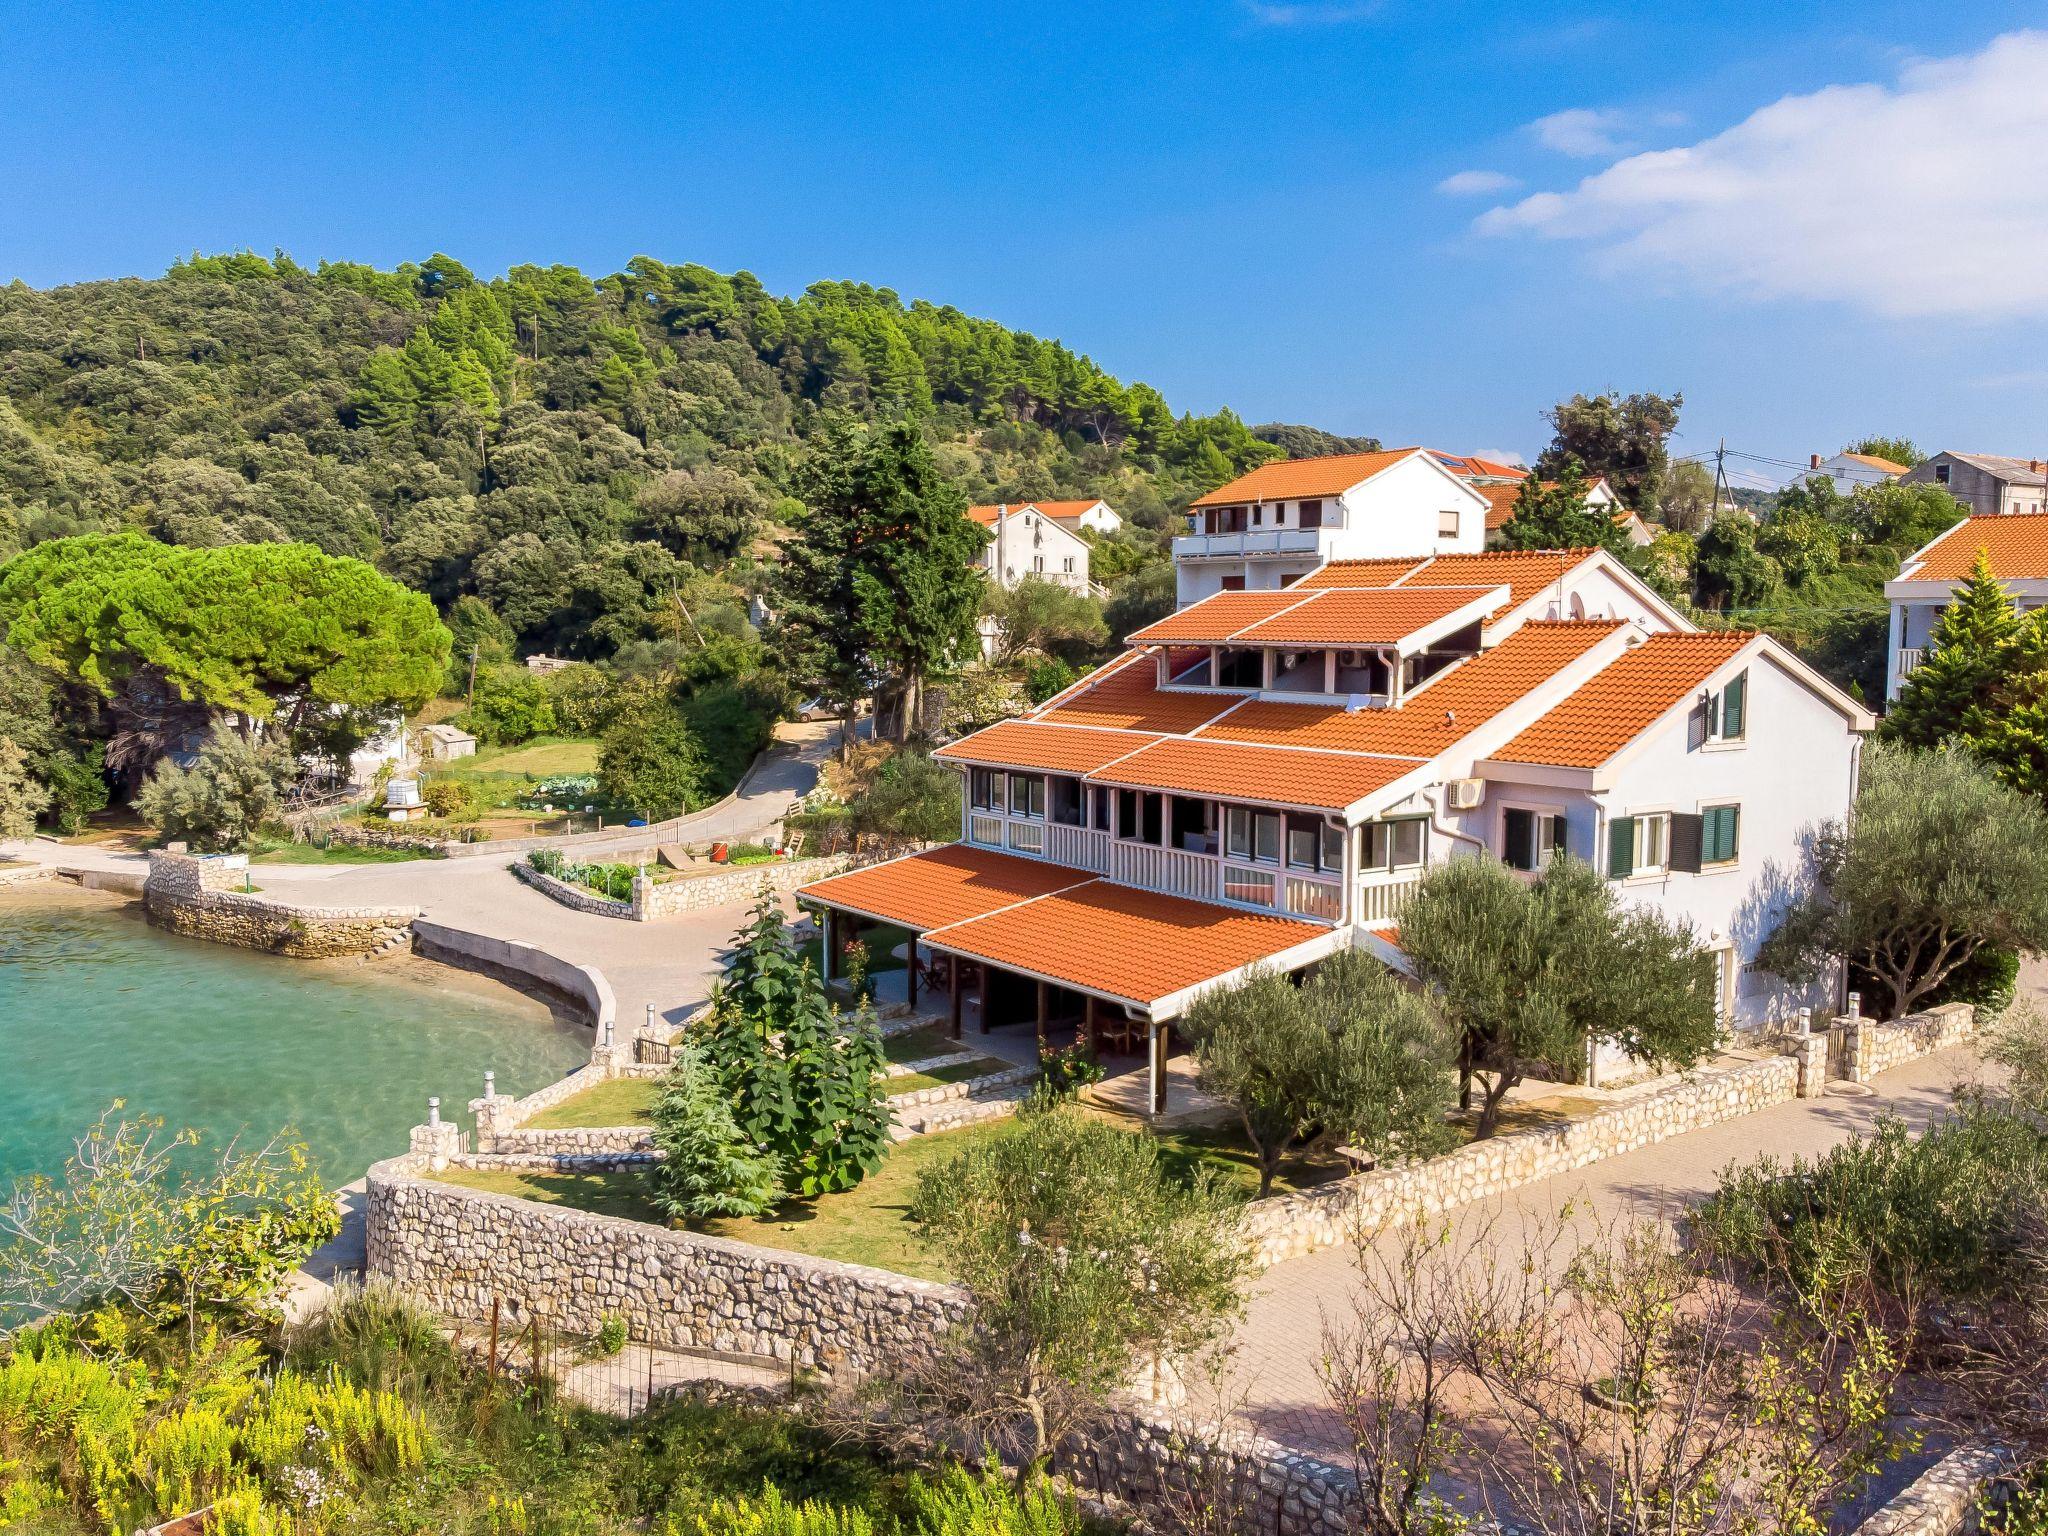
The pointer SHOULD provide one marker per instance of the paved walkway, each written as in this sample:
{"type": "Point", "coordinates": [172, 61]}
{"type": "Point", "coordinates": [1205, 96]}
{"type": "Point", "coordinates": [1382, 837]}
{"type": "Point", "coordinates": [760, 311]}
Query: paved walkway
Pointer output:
{"type": "Point", "coordinates": [1279, 1344]}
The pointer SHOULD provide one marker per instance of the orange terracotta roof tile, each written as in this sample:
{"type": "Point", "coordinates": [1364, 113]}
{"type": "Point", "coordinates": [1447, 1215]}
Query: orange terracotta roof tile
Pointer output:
{"type": "Point", "coordinates": [1618, 703]}
{"type": "Point", "coordinates": [1373, 616]}
{"type": "Point", "coordinates": [1884, 465]}
{"type": "Point", "coordinates": [1324, 781]}
{"type": "Point", "coordinates": [2017, 545]}
{"type": "Point", "coordinates": [941, 886]}
{"type": "Point", "coordinates": [1524, 572]}
{"type": "Point", "coordinates": [1290, 479]}
{"type": "Point", "coordinates": [1056, 510]}
{"type": "Point", "coordinates": [1436, 715]}
{"type": "Point", "coordinates": [1049, 748]}
{"type": "Point", "coordinates": [1216, 617]}
{"type": "Point", "coordinates": [1500, 504]}
{"type": "Point", "coordinates": [1468, 466]}
{"type": "Point", "coordinates": [986, 516]}
{"type": "Point", "coordinates": [1128, 944]}
{"type": "Point", "coordinates": [1126, 697]}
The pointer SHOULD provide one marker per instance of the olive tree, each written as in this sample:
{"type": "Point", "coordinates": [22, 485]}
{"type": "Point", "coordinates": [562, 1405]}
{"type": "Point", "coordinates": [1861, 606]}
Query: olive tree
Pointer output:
{"type": "Point", "coordinates": [218, 804]}
{"type": "Point", "coordinates": [1349, 1056]}
{"type": "Point", "coordinates": [1537, 972]}
{"type": "Point", "coordinates": [1940, 862]}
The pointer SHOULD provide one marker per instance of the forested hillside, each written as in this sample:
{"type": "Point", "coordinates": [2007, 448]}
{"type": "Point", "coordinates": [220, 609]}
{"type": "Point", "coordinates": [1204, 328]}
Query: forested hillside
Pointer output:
{"type": "Point", "coordinates": [599, 462]}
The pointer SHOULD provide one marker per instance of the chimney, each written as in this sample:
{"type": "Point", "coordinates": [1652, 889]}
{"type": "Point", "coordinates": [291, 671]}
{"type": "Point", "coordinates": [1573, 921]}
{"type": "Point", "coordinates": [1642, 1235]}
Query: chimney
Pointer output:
{"type": "Point", "coordinates": [1813, 461]}
{"type": "Point", "coordinates": [2034, 465]}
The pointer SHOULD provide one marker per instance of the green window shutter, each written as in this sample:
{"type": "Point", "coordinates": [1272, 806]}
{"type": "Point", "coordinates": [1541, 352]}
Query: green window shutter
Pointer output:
{"type": "Point", "coordinates": [1560, 844]}
{"type": "Point", "coordinates": [1621, 847]}
{"type": "Point", "coordinates": [1518, 835]}
{"type": "Point", "coordinates": [1688, 835]}
{"type": "Point", "coordinates": [1724, 824]}
{"type": "Point", "coordinates": [1735, 707]}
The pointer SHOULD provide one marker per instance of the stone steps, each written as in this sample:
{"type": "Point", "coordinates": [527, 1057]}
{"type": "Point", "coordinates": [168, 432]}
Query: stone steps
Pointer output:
{"type": "Point", "coordinates": [952, 1114]}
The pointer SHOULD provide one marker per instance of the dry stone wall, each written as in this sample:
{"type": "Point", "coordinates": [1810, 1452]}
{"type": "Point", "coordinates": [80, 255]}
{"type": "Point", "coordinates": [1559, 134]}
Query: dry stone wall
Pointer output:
{"type": "Point", "coordinates": [694, 893]}
{"type": "Point", "coordinates": [1288, 1226]}
{"type": "Point", "coordinates": [455, 1250]}
{"type": "Point", "coordinates": [178, 896]}
{"type": "Point", "coordinates": [1869, 1047]}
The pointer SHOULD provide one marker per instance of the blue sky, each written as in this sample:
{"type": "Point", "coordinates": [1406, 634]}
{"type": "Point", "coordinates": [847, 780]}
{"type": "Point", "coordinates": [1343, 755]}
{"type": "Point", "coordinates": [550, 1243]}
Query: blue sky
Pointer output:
{"type": "Point", "coordinates": [1241, 201]}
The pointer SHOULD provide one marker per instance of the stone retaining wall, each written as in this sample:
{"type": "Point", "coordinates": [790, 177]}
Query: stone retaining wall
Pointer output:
{"type": "Point", "coordinates": [1942, 1500]}
{"type": "Point", "coordinates": [455, 1250]}
{"type": "Point", "coordinates": [965, 1088]}
{"type": "Point", "coordinates": [1869, 1047]}
{"type": "Point", "coordinates": [574, 897]}
{"type": "Point", "coordinates": [693, 893]}
{"type": "Point", "coordinates": [582, 986]}
{"type": "Point", "coordinates": [567, 1141]}
{"type": "Point", "coordinates": [1287, 1226]}
{"type": "Point", "coordinates": [179, 896]}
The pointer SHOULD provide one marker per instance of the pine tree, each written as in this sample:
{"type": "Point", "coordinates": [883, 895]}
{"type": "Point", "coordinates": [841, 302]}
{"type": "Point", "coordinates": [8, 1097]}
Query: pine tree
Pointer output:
{"type": "Point", "coordinates": [1555, 516]}
{"type": "Point", "coordinates": [708, 1166]}
{"type": "Point", "coordinates": [1970, 653]}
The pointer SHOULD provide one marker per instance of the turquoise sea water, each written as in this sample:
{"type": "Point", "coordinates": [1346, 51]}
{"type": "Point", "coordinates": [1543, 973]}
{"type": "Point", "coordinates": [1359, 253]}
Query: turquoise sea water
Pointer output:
{"type": "Point", "coordinates": [97, 1005]}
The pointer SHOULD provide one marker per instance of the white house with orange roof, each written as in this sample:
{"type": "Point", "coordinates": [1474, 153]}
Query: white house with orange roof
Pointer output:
{"type": "Point", "coordinates": [1280, 521]}
{"type": "Point", "coordinates": [2016, 545]}
{"type": "Point", "coordinates": [1501, 483]}
{"type": "Point", "coordinates": [1853, 471]}
{"type": "Point", "coordinates": [1027, 540]}
{"type": "Point", "coordinates": [1265, 775]}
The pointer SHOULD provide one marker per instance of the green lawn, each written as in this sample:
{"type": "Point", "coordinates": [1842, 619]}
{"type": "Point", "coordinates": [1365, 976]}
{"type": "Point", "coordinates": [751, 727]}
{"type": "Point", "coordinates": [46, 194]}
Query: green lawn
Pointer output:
{"type": "Point", "coordinates": [959, 1072]}
{"type": "Point", "coordinates": [307, 853]}
{"type": "Point", "coordinates": [869, 1224]}
{"type": "Point", "coordinates": [920, 1044]}
{"type": "Point", "coordinates": [622, 1101]}
{"type": "Point", "coordinates": [880, 940]}
{"type": "Point", "coordinates": [542, 758]}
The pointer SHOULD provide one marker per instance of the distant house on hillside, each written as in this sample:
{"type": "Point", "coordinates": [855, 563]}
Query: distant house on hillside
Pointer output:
{"type": "Point", "coordinates": [1501, 483]}
{"type": "Point", "coordinates": [1027, 540]}
{"type": "Point", "coordinates": [1989, 484]}
{"type": "Point", "coordinates": [2017, 547]}
{"type": "Point", "coordinates": [1852, 471]}
{"type": "Point", "coordinates": [1271, 527]}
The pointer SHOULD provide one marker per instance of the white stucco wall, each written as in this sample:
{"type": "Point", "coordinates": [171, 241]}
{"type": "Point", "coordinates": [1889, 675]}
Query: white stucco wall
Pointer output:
{"type": "Point", "coordinates": [1029, 536]}
{"type": "Point", "coordinates": [1395, 513]}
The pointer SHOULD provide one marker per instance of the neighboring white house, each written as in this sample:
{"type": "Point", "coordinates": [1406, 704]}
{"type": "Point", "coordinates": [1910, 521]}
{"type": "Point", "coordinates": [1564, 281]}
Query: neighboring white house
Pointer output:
{"type": "Point", "coordinates": [1600, 496]}
{"type": "Point", "coordinates": [1096, 516]}
{"type": "Point", "coordinates": [444, 743]}
{"type": "Point", "coordinates": [1263, 779]}
{"type": "Point", "coordinates": [2017, 546]}
{"type": "Point", "coordinates": [1277, 523]}
{"type": "Point", "coordinates": [1987, 484]}
{"type": "Point", "coordinates": [1852, 471]}
{"type": "Point", "coordinates": [1025, 541]}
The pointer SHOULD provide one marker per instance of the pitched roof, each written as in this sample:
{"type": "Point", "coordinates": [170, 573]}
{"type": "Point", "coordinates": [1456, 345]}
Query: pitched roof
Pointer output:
{"type": "Point", "coordinates": [1371, 616]}
{"type": "Point", "coordinates": [1129, 944]}
{"type": "Point", "coordinates": [1468, 466]}
{"type": "Point", "coordinates": [1217, 617]}
{"type": "Point", "coordinates": [1876, 463]}
{"type": "Point", "coordinates": [1326, 781]}
{"type": "Point", "coordinates": [2017, 544]}
{"type": "Point", "coordinates": [1432, 718]}
{"type": "Point", "coordinates": [1524, 572]}
{"type": "Point", "coordinates": [1126, 697]}
{"type": "Point", "coordinates": [2013, 471]}
{"type": "Point", "coordinates": [1290, 479]}
{"type": "Point", "coordinates": [1049, 748]}
{"type": "Point", "coordinates": [943, 885]}
{"type": "Point", "coordinates": [1621, 701]}
{"type": "Point", "coordinates": [1058, 511]}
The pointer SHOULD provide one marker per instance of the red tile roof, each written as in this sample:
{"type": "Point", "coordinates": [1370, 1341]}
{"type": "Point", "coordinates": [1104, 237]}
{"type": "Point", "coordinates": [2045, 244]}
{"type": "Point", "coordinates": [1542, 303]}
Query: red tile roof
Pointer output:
{"type": "Point", "coordinates": [1127, 698]}
{"type": "Point", "coordinates": [1524, 572]}
{"type": "Point", "coordinates": [1216, 617]}
{"type": "Point", "coordinates": [1291, 479]}
{"type": "Point", "coordinates": [1326, 781]}
{"type": "Point", "coordinates": [1619, 702]}
{"type": "Point", "coordinates": [944, 885]}
{"type": "Point", "coordinates": [1467, 466]}
{"type": "Point", "coordinates": [1432, 718]}
{"type": "Point", "coordinates": [1374, 616]}
{"type": "Point", "coordinates": [1056, 510]}
{"type": "Point", "coordinates": [1128, 944]}
{"type": "Point", "coordinates": [1050, 748]}
{"type": "Point", "coordinates": [2017, 545]}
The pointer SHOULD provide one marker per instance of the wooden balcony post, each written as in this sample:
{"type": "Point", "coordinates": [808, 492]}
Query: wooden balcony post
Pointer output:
{"type": "Point", "coordinates": [953, 964]}
{"type": "Point", "coordinates": [910, 969]}
{"type": "Point", "coordinates": [1043, 998]}
{"type": "Point", "coordinates": [985, 969]}
{"type": "Point", "coordinates": [1089, 1023]}
{"type": "Point", "coordinates": [1158, 1068]}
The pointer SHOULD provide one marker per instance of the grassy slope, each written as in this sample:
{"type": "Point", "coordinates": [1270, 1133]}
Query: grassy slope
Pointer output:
{"type": "Point", "coordinates": [622, 1101]}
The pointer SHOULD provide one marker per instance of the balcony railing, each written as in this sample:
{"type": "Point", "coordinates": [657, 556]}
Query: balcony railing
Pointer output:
{"type": "Point", "coordinates": [1380, 901]}
{"type": "Point", "coordinates": [1910, 658]}
{"type": "Point", "coordinates": [986, 830]}
{"type": "Point", "coordinates": [1167, 870]}
{"type": "Point", "coordinates": [1081, 847]}
{"type": "Point", "coordinates": [1322, 900]}
{"type": "Point", "coordinates": [1027, 836]}
{"type": "Point", "coordinates": [1254, 541]}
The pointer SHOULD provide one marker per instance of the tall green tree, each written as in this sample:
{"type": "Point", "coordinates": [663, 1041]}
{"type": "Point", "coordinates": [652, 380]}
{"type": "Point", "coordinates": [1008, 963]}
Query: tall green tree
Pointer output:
{"type": "Point", "coordinates": [880, 570]}
{"type": "Point", "coordinates": [708, 1167]}
{"type": "Point", "coordinates": [650, 761]}
{"type": "Point", "coordinates": [1941, 862]}
{"type": "Point", "coordinates": [1349, 1057]}
{"type": "Point", "coordinates": [1900, 450]}
{"type": "Point", "coordinates": [1554, 515]}
{"type": "Point", "coordinates": [1972, 650]}
{"type": "Point", "coordinates": [22, 798]}
{"type": "Point", "coordinates": [1540, 971]}
{"type": "Point", "coordinates": [1622, 437]}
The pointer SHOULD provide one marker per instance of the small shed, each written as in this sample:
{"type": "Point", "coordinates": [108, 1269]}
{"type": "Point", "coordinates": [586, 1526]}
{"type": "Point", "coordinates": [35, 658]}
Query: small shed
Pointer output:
{"type": "Point", "coordinates": [445, 743]}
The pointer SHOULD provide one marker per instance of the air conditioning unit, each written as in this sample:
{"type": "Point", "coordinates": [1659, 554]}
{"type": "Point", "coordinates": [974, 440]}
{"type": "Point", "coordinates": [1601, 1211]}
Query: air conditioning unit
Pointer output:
{"type": "Point", "coordinates": [1464, 794]}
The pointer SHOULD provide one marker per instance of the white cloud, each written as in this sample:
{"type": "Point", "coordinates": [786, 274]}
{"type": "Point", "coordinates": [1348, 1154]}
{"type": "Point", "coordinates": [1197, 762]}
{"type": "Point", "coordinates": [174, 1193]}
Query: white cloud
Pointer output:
{"type": "Point", "coordinates": [1308, 13]}
{"type": "Point", "coordinates": [1477, 183]}
{"type": "Point", "coordinates": [1916, 199]}
{"type": "Point", "coordinates": [1581, 132]}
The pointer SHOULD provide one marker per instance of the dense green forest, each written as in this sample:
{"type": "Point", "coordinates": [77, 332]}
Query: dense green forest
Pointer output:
{"type": "Point", "coordinates": [576, 454]}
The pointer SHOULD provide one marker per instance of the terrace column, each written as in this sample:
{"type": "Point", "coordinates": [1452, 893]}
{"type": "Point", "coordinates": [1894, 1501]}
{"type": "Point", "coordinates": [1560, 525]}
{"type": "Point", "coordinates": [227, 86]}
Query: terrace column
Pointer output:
{"type": "Point", "coordinates": [1043, 990]}
{"type": "Point", "coordinates": [985, 968]}
{"type": "Point", "coordinates": [1157, 1077]}
{"type": "Point", "coordinates": [1089, 1024]}
{"type": "Point", "coordinates": [953, 992]}
{"type": "Point", "coordinates": [910, 969]}
{"type": "Point", "coordinates": [828, 936]}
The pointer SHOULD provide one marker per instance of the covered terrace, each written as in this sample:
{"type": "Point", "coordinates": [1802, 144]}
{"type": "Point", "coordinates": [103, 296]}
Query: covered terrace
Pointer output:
{"type": "Point", "coordinates": [1011, 941]}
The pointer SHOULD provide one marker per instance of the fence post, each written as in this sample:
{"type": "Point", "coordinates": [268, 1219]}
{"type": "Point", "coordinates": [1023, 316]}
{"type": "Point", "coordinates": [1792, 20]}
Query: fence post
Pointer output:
{"type": "Point", "coordinates": [494, 1340]}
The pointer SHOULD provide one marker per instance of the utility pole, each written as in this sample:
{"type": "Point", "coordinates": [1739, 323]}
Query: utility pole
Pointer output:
{"type": "Point", "coordinates": [469, 700]}
{"type": "Point", "coordinates": [1720, 475]}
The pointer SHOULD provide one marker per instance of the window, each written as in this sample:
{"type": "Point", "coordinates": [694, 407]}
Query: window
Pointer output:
{"type": "Point", "coordinates": [1531, 839]}
{"type": "Point", "coordinates": [1068, 802]}
{"type": "Point", "coordinates": [1250, 834]}
{"type": "Point", "coordinates": [1941, 474]}
{"type": "Point", "coordinates": [1447, 525]}
{"type": "Point", "coordinates": [1638, 845]}
{"type": "Point", "coordinates": [1069, 565]}
{"type": "Point", "coordinates": [1038, 562]}
{"type": "Point", "coordinates": [1394, 844]}
{"type": "Point", "coordinates": [985, 789]}
{"type": "Point", "coordinates": [1723, 716]}
{"type": "Point", "coordinates": [1311, 514]}
{"type": "Point", "coordinates": [1027, 796]}
{"type": "Point", "coordinates": [1720, 834]}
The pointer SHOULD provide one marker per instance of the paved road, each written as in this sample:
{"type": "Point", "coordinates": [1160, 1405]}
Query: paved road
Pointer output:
{"type": "Point", "coordinates": [1279, 1343]}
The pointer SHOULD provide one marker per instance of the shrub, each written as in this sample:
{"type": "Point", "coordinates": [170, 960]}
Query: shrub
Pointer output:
{"type": "Point", "coordinates": [451, 800]}
{"type": "Point", "coordinates": [509, 707]}
{"type": "Point", "coordinates": [218, 803]}
{"type": "Point", "coordinates": [708, 1167]}
{"type": "Point", "coordinates": [1940, 1210]}
{"type": "Point", "coordinates": [581, 697]}
{"type": "Point", "coordinates": [1043, 679]}
{"type": "Point", "coordinates": [650, 762]}
{"type": "Point", "coordinates": [911, 800]}
{"type": "Point", "coordinates": [611, 1335]}
{"type": "Point", "coordinates": [732, 721]}
{"type": "Point", "coordinates": [1063, 1073]}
